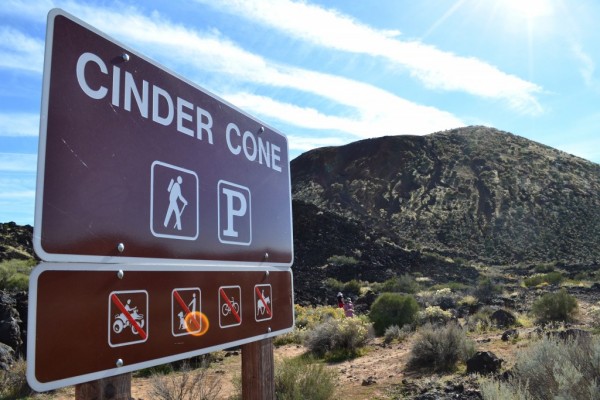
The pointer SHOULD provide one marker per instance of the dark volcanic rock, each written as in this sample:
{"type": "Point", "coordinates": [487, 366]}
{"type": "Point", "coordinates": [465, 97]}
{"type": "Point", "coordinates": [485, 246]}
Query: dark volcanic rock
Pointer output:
{"type": "Point", "coordinates": [483, 362]}
{"type": "Point", "coordinates": [502, 318]}
{"type": "Point", "coordinates": [16, 241]}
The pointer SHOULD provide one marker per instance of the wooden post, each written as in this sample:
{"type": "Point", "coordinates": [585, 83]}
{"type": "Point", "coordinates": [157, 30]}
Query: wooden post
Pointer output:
{"type": "Point", "coordinates": [112, 388]}
{"type": "Point", "coordinates": [258, 370]}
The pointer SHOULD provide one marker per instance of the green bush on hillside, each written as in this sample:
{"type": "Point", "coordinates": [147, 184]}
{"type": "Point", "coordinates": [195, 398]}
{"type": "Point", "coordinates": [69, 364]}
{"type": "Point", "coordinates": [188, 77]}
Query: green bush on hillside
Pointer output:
{"type": "Point", "coordinates": [14, 274]}
{"type": "Point", "coordinates": [393, 309]}
{"type": "Point", "coordinates": [557, 306]}
{"type": "Point", "coordinates": [400, 284]}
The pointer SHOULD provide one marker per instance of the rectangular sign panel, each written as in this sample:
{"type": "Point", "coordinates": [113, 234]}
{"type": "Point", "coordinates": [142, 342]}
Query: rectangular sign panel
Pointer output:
{"type": "Point", "coordinates": [139, 165]}
{"type": "Point", "coordinates": [91, 321]}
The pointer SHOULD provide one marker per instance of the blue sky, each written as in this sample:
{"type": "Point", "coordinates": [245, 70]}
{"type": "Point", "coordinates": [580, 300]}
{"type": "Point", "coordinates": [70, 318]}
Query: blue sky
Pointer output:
{"type": "Point", "coordinates": [333, 72]}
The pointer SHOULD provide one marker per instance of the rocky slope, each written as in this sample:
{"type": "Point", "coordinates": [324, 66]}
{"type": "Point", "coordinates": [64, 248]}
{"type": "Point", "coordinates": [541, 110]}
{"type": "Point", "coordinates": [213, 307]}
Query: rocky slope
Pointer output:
{"type": "Point", "coordinates": [472, 193]}
{"type": "Point", "coordinates": [16, 241]}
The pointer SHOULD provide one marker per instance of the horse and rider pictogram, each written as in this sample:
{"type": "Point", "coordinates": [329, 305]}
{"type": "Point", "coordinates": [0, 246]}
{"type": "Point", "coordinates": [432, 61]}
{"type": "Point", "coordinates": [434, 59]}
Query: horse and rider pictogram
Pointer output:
{"type": "Point", "coordinates": [263, 309]}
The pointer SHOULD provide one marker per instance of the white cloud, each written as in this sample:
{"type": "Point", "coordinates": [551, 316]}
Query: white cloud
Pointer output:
{"type": "Point", "coordinates": [437, 69]}
{"type": "Point", "coordinates": [587, 67]}
{"type": "Point", "coordinates": [19, 124]}
{"type": "Point", "coordinates": [20, 51]}
{"type": "Point", "coordinates": [376, 112]}
{"type": "Point", "coordinates": [18, 162]}
{"type": "Point", "coordinates": [30, 9]}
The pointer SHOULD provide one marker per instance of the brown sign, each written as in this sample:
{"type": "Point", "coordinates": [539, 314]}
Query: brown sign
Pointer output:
{"type": "Point", "coordinates": [88, 322]}
{"type": "Point", "coordinates": [138, 165]}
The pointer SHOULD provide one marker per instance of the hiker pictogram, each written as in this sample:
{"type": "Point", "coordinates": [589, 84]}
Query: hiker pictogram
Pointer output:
{"type": "Point", "coordinates": [175, 197]}
{"type": "Point", "coordinates": [230, 306]}
{"type": "Point", "coordinates": [263, 309]}
{"type": "Point", "coordinates": [174, 202]}
{"type": "Point", "coordinates": [186, 311]}
{"type": "Point", "coordinates": [127, 317]}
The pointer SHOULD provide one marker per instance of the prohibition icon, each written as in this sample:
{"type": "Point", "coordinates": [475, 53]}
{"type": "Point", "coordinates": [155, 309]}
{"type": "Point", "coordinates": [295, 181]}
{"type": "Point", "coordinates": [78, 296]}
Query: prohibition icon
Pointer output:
{"type": "Point", "coordinates": [230, 307]}
{"type": "Point", "coordinates": [263, 309]}
{"type": "Point", "coordinates": [127, 317]}
{"type": "Point", "coordinates": [186, 311]}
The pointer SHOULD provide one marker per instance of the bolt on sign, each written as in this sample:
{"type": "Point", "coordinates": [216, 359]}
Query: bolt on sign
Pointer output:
{"type": "Point", "coordinates": [90, 321]}
{"type": "Point", "coordinates": [139, 165]}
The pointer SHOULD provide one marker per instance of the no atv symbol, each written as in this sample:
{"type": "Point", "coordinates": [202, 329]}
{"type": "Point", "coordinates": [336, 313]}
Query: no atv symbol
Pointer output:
{"type": "Point", "coordinates": [127, 317]}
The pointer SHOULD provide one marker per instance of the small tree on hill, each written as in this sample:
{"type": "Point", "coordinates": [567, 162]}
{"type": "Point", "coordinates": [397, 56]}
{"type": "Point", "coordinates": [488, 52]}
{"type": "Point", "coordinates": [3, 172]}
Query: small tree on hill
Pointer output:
{"type": "Point", "coordinates": [393, 309]}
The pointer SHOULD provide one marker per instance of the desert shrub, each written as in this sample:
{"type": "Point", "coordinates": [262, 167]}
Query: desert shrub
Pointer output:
{"type": "Point", "coordinates": [557, 306]}
{"type": "Point", "coordinates": [186, 384]}
{"type": "Point", "coordinates": [337, 339]}
{"type": "Point", "coordinates": [486, 289]}
{"type": "Point", "coordinates": [334, 284]}
{"type": "Point", "coordinates": [440, 348]}
{"type": "Point", "coordinates": [443, 298]}
{"type": "Point", "coordinates": [302, 378]}
{"type": "Point", "coordinates": [468, 301]}
{"type": "Point", "coordinates": [554, 369]}
{"type": "Point", "coordinates": [394, 332]}
{"type": "Point", "coordinates": [543, 268]}
{"type": "Point", "coordinates": [480, 321]}
{"type": "Point", "coordinates": [13, 382]}
{"type": "Point", "coordinates": [307, 318]}
{"type": "Point", "coordinates": [452, 286]}
{"type": "Point", "coordinates": [433, 315]}
{"type": "Point", "coordinates": [393, 309]}
{"type": "Point", "coordinates": [14, 274]}
{"type": "Point", "coordinates": [401, 284]}
{"type": "Point", "coordinates": [342, 260]}
{"type": "Point", "coordinates": [496, 390]}
{"type": "Point", "coordinates": [551, 278]}
{"type": "Point", "coordinates": [352, 287]}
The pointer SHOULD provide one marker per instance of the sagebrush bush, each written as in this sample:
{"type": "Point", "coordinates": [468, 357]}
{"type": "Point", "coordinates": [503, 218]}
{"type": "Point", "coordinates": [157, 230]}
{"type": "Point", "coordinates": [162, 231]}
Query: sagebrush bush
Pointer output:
{"type": "Point", "coordinates": [394, 332]}
{"type": "Point", "coordinates": [557, 306]}
{"type": "Point", "coordinates": [187, 384]}
{"type": "Point", "coordinates": [13, 382]}
{"type": "Point", "coordinates": [480, 321]}
{"type": "Point", "coordinates": [444, 298]}
{"type": "Point", "coordinates": [337, 339]}
{"type": "Point", "coordinates": [433, 315]}
{"type": "Point", "coordinates": [440, 348]}
{"type": "Point", "coordinates": [393, 309]}
{"type": "Point", "coordinates": [302, 378]}
{"type": "Point", "coordinates": [307, 318]}
{"type": "Point", "coordinates": [553, 369]}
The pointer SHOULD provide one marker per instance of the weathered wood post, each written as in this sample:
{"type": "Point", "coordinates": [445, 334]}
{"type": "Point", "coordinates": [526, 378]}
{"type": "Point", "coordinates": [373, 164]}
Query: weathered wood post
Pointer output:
{"type": "Point", "coordinates": [112, 388]}
{"type": "Point", "coordinates": [258, 370]}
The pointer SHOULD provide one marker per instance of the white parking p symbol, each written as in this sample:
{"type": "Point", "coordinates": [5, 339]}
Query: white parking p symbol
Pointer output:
{"type": "Point", "coordinates": [235, 222]}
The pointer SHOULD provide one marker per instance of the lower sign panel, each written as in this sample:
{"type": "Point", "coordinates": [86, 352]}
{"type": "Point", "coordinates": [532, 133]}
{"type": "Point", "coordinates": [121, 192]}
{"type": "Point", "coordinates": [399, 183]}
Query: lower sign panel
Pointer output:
{"type": "Point", "coordinates": [91, 321]}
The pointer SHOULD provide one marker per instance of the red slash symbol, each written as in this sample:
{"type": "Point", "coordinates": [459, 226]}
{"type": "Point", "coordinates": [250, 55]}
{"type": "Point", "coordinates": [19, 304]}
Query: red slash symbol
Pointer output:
{"type": "Point", "coordinates": [231, 307]}
{"type": "Point", "coordinates": [186, 309]}
{"type": "Point", "coordinates": [127, 315]}
{"type": "Point", "coordinates": [264, 302]}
